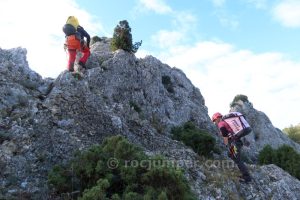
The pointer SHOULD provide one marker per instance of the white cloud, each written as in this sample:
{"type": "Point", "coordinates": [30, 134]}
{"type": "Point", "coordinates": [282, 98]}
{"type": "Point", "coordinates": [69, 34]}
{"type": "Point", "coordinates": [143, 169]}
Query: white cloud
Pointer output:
{"type": "Point", "coordinates": [259, 4]}
{"type": "Point", "coordinates": [218, 3]}
{"type": "Point", "coordinates": [141, 53]}
{"type": "Point", "coordinates": [224, 15]}
{"type": "Point", "coordinates": [158, 6]}
{"type": "Point", "coordinates": [183, 23]}
{"type": "Point", "coordinates": [287, 12]}
{"type": "Point", "coordinates": [231, 23]}
{"type": "Point", "coordinates": [37, 26]}
{"type": "Point", "coordinates": [227, 20]}
{"type": "Point", "coordinates": [220, 72]}
{"type": "Point", "coordinates": [165, 39]}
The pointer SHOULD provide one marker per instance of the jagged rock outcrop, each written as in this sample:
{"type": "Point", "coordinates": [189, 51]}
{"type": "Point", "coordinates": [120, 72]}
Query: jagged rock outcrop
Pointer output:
{"type": "Point", "coordinates": [263, 130]}
{"type": "Point", "coordinates": [269, 182]}
{"type": "Point", "coordinates": [44, 121]}
{"type": "Point", "coordinates": [45, 124]}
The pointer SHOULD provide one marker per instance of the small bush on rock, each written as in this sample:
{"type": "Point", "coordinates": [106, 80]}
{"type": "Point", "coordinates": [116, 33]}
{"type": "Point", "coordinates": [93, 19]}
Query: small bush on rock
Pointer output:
{"type": "Point", "coordinates": [199, 140]}
{"type": "Point", "coordinates": [122, 38]}
{"type": "Point", "coordinates": [119, 170]}
{"type": "Point", "coordinates": [284, 157]}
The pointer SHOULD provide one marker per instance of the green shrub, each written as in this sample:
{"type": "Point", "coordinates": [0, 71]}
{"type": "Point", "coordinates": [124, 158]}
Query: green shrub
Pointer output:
{"type": "Point", "coordinates": [284, 157]}
{"type": "Point", "coordinates": [266, 155]}
{"type": "Point", "coordinates": [122, 38]}
{"type": "Point", "coordinates": [199, 140]}
{"type": "Point", "coordinates": [293, 133]}
{"type": "Point", "coordinates": [160, 181]}
{"type": "Point", "coordinates": [96, 192]}
{"type": "Point", "coordinates": [61, 178]}
{"type": "Point", "coordinates": [98, 178]}
{"type": "Point", "coordinates": [237, 98]}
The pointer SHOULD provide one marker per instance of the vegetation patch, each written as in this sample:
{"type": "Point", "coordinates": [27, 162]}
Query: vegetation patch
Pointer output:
{"type": "Point", "coordinates": [122, 38]}
{"type": "Point", "coordinates": [293, 133]}
{"type": "Point", "coordinates": [199, 140]}
{"type": "Point", "coordinates": [119, 170]}
{"type": "Point", "coordinates": [284, 157]}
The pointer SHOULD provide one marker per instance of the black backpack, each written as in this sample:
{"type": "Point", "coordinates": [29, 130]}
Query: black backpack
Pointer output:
{"type": "Point", "coordinates": [69, 29]}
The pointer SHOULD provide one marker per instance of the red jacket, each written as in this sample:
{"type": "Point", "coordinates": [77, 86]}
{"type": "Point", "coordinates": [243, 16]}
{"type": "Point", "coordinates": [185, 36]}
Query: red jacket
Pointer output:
{"type": "Point", "coordinates": [225, 129]}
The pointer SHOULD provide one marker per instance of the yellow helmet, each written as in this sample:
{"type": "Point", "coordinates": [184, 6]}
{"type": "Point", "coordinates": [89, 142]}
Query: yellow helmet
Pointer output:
{"type": "Point", "coordinates": [73, 21]}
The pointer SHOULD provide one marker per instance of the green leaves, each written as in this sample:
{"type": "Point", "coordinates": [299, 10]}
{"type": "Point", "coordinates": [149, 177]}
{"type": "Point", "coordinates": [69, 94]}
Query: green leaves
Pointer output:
{"type": "Point", "coordinates": [119, 170]}
{"type": "Point", "coordinates": [199, 140]}
{"type": "Point", "coordinates": [285, 157]}
{"type": "Point", "coordinates": [122, 38]}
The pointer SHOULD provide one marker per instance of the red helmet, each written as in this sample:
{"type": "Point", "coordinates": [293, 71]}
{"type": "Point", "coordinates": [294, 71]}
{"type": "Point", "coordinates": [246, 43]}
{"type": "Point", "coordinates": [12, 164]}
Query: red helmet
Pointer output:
{"type": "Point", "coordinates": [216, 116]}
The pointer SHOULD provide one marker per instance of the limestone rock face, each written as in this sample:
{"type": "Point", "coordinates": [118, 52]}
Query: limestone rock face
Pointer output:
{"type": "Point", "coordinates": [268, 182]}
{"type": "Point", "coordinates": [44, 121]}
{"type": "Point", "coordinates": [263, 130]}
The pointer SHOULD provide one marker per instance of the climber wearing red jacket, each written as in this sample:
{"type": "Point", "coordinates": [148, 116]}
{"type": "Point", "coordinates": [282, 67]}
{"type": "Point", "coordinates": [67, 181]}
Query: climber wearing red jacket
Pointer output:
{"type": "Point", "coordinates": [234, 146]}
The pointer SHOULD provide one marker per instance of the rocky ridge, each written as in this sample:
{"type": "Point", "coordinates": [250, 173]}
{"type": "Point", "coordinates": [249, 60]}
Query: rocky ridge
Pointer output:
{"type": "Point", "coordinates": [44, 121]}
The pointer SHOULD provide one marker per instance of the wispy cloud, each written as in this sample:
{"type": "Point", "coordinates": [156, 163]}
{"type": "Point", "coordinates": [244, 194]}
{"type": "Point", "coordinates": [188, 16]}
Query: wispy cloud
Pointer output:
{"type": "Point", "coordinates": [218, 3]}
{"type": "Point", "coordinates": [37, 26]}
{"type": "Point", "coordinates": [221, 71]}
{"type": "Point", "coordinates": [287, 12]}
{"type": "Point", "coordinates": [259, 4]}
{"type": "Point", "coordinates": [158, 6]}
{"type": "Point", "coordinates": [229, 22]}
{"type": "Point", "coordinates": [181, 22]}
{"type": "Point", "coordinates": [227, 19]}
{"type": "Point", "coordinates": [184, 20]}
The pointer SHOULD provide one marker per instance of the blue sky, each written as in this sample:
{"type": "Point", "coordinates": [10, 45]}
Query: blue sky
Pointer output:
{"type": "Point", "coordinates": [225, 47]}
